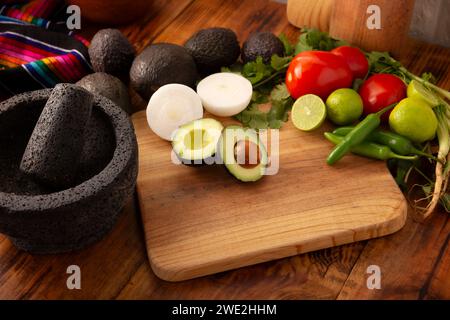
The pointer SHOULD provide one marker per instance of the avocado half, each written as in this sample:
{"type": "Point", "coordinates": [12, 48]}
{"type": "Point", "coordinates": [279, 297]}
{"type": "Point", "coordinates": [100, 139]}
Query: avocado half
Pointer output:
{"type": "Point", "coordinates": [231, 137]}
{"type": "Point", "coordinates": [195, 143]}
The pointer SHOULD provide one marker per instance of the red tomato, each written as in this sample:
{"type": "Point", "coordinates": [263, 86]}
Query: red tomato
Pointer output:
{"type": "Point", "coordinates": [355, 59]}
{"type": "Point", "coordinates": [380, 91]}
{"type": "Point", "coordinates": [317, 72]}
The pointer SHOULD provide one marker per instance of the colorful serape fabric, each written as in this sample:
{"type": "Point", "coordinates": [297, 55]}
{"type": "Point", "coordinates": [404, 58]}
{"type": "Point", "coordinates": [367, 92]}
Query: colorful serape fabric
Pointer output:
{"type": "Point", "coordinates": [36, 52]}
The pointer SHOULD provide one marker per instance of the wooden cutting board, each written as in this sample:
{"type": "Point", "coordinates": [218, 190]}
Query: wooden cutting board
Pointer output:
{"type": "Point", "coordinates": [200, 221]}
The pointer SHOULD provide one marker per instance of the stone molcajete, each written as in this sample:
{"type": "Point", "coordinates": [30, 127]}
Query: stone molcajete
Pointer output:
{"type": "Point", "coordinates": [45, 218]}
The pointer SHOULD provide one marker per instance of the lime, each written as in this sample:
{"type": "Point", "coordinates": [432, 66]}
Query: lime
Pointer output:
{"type": "Point", "coordinates": [419, 91]}
{"type": "Point", "coordinates": [344, 106]}
{"type": "Point", "coordinates": [308, 112]}
{"type": "Point", "coordinates": [414, 119]}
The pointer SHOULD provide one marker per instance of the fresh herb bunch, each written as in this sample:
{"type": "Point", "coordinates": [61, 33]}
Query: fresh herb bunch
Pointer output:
{"type": "Point", "coordinates": [313, 39]}
{"type": "Point", "coordinates": [280, 103]}
{"type": "Point", "coordinates": [268, 80]}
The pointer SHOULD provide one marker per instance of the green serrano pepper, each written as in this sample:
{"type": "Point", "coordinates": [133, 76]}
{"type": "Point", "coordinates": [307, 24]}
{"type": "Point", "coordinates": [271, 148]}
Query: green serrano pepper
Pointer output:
{"type": "Point", "coordinates": [357, 135]}
{"type": "Point", "coordinates": [397, 143]}
{"type": "Point", "coordinates": [369, 149]}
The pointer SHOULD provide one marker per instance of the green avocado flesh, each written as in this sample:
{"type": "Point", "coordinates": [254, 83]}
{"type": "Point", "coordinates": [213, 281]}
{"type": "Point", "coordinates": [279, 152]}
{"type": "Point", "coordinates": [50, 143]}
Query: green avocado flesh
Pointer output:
{"type": "Point", "coordinates": [245, 167]}
{"type": "Point", "coordinates": [197, 140]}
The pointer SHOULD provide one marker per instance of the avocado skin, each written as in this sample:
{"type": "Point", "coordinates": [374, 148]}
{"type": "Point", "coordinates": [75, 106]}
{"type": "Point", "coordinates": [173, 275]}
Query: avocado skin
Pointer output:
{"type": "Point", "coordinates": [111, 52]}
{"type": "Point", "coordinates": [161, 64]}
{"type": "Point", "coordinates": [108, 86]}
{"type": "Point", "coordinates": [264, 44]}
{"type": "Point", "coordinates": [196, 163]}
{"type": "Point", "coordinates": [213, 48]}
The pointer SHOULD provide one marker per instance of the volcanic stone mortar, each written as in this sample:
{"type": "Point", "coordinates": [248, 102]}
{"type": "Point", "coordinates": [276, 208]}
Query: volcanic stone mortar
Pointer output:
{"type": "Point", "coordinates": [39, 219]}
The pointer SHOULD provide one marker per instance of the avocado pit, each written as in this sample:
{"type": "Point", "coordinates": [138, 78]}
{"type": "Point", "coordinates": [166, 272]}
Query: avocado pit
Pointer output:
{"type": "Point", "coordinates": [243, 153]}
{"type": "Point", "coordinates": [247, 154]}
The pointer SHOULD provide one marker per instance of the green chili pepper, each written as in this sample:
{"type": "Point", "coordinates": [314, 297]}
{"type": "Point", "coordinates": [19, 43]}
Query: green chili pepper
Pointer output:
{"type": "Point", "coordinates": [397, 143]}
{"type": "Point", "coordinates": [369, 149]}
{"type": "Point", "coordinates": [357, 135]}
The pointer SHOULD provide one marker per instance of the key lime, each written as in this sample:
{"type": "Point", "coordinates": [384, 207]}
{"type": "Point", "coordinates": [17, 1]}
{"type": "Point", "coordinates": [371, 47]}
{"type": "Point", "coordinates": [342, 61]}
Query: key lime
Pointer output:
{"type": "Point", "coordinates": [419, 91]}
{"type": "Point", "coordinates": [308, 112]}
{"type": "Point", "coordinates": [414, 119]}
{"type": "Point", "coordinates": [344, 106]}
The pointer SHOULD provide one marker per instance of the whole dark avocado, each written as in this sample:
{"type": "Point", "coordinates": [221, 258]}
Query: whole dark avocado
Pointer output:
{"type": "Point", "coordinates": [109, 87]}
{"type": "Point", "coordinates": [112, 53]}
{"type": "Point", "coordinates": [264, 44]}
{"type": "Point", "coordinates": [213, 48]}
{"type": "Point", "coordinates": [160, 64]}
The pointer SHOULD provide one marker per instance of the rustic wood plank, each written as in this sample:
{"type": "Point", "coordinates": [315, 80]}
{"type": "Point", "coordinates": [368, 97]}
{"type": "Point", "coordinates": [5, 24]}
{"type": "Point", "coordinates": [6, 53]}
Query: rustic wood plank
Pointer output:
{"type": "Point", "coordinates": [246, 17]}
{"type": "Point", "coordinates": [242, 16]}
{"type": "Point", "coordinates": [431, 63]}
{"type": "Point", "coordinates": [161, 14]}
{"type": "Point", "coordinates": [318, 275]}
{"type": "Point", "coordinates": [140, 33]}
{"type": "Point", "coordinates": [415, 260]}
{"type": "Point", "coordinates": [438, 283]}
{"type": "Point", "coordinates": [407, 261]}
{"type": "Point", "coordinates": [106, 267]}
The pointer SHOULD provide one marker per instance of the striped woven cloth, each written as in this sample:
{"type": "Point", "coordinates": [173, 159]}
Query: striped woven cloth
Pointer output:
{"type": "Point", "coordinates": [36, 48]}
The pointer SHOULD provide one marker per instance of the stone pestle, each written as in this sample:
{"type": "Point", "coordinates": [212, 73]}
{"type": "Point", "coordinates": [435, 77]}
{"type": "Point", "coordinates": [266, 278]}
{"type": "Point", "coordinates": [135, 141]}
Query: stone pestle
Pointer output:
{"type": "Point", "coordinates": [56, 144]}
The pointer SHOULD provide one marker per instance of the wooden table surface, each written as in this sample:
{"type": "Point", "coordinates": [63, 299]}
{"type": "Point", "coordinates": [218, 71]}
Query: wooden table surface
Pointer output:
{"type": "Point", "coordinates": [415, 262]}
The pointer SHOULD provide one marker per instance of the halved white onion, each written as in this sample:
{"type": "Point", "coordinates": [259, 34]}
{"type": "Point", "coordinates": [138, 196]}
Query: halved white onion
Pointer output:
{"type": "Point", "coordinates": [171, 106]}
{"type": "Point", "coordinates": [225, 94]}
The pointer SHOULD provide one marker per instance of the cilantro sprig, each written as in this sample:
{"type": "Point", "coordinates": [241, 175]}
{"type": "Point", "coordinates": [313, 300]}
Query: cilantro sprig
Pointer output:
{"type": "Point", "coordinates": [313, 39]}
{"type": "Point", "coordinates": [254, 117]}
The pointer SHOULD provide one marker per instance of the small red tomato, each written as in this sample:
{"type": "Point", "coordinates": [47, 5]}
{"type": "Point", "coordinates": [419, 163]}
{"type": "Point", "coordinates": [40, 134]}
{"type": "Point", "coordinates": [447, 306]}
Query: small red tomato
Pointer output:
{"type": "Point", "coordinates": [380, 91]}
{"type": "Point", "coordinates": [355, 59]}
{"type": "Point", "coordinates": [317, 72]}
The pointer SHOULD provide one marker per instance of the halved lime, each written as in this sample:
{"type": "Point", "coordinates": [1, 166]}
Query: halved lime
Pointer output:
{"type": "Point", "coordinates": [308, 112]}
{"type": "Point", "coordinates": [419, 91]}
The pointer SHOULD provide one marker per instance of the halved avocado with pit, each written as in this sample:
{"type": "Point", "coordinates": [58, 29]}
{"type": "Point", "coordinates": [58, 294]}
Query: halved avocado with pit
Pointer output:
{"type": "Point", "coordinates": [243, 153]}
{"type": "Point", "coordinates": [195, 143]}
